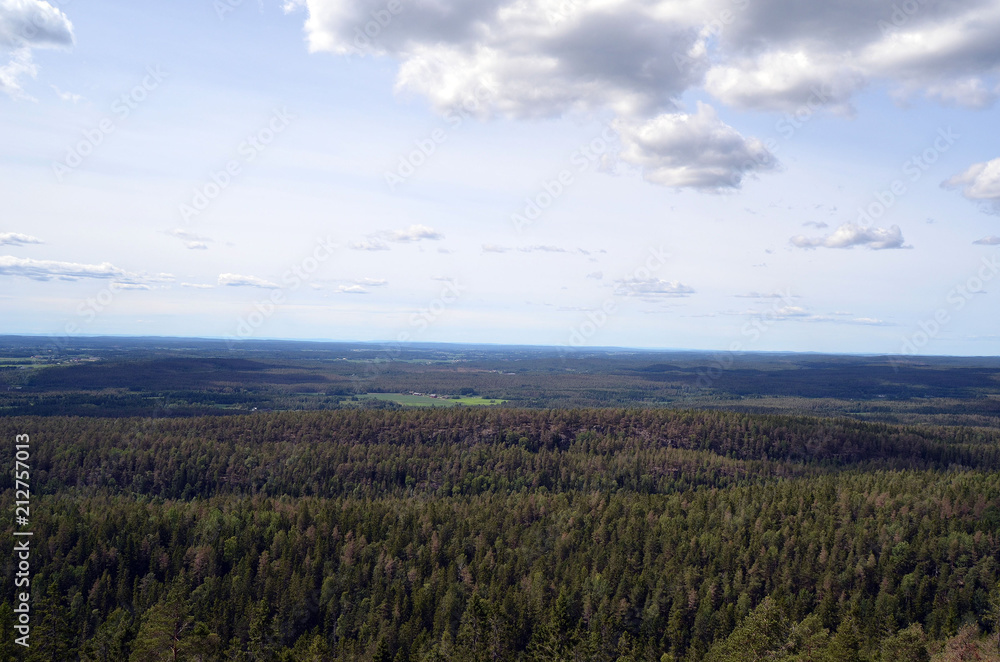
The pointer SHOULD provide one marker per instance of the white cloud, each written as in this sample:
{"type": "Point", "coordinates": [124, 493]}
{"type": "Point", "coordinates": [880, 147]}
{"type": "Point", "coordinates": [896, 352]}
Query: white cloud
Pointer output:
{"type": "Point", "coordinates": [35, 23]}
{"type": "Point", "coordinates": [793, 81]}
{"type": "Point", "coordinates": [378, 241]}
{"type": "Point", "coordinates": [352, 289]}
{"type": "Point", "coordinates": [967, 92]}
{"type": "Point", "coordinates": [26, 25]}
{"type": "Point", "coordinates": [20, 66]}
{"type": "Point", "coordinates": [191, 240]}
{"type": "Point", "coordinates": [786, 312]}
{"type": "Point", "coordinates": [368, 245]}
{"type": "Point", "coordinates": [542, 249]}
{"type": "Point", "coordinates": [697, 151]}
{"type": "Point", "coordinates": [371, 282]}
{"type": "Point", "coordinates": [635, 59]}
{"type": "Point", "coordinates": [850, 235]}
{"type": "Point", "coordinates": [236, 280]}
{"type": "Point", "coordinates": [415, 233]}
{"type": "Point", "coordinates": [493, 248]}
{"type": "Point", "coordinates": [819, 225]}
{"type": "Point", "coordinates": [991, 240]}
{"type": "Point", "coordinates": [67, 96]}
{"type": "Point", "coordinates": [979, 182]}
{"type": "Point", "coordinates": [17, 239]}
{"type": "Point", "coordinates": [198, 286]}
{"type": "Point", "coordinates": [45, 270]}
{"type": "Point", "coordinates": [651, 287]}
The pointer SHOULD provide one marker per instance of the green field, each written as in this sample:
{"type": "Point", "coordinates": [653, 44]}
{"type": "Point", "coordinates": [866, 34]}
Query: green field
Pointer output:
{"type": "Point", "coordinates": [408, 400]}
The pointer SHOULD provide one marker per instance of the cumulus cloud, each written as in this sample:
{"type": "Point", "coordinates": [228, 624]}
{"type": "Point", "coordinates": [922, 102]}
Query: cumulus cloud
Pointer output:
{"type": "Point", "coordinates": [414, 233]}
{"type": "Point", "coordinates": [24, 26]}
{"type": "Point", "coordinates": [819, 225]}
{"type": "Point", "coordinates": [522, 58]}
{"type": "Point", "coordinates": [352, 289]}
{"type": "Point", "coordinates": [45, 270]}
{"type": "Point", "coordinates": [237, 280]}
{"type": "Point", "coordinates": [652, 288]}
{"type": "Point", "coordinates": [636, 59]}
{"type": "Point", "coordinates": [17, 239]}
{"type": "Point", "coordinates": [198, 286]}
{"type": "Point", "coordinates": [980, 182]}
{"type": "Point", "coordinates": [791, 80]}
{"type": "Point", "coordinates": [942, 49]}
{"type": "Point", "coordinates": [697, 151]}
{"type": "Point", "coordinates": [493, 248]}
{"type": "Point", "coordinates": [991, 240]}
{"type": "Point", "coordinates": [35, 23]}
{"type": "Point", "coordinates": [850, 235]}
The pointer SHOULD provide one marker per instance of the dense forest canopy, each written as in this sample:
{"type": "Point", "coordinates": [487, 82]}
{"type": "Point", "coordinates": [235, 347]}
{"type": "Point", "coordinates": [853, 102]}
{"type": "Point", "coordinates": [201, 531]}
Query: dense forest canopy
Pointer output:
{"type": "Point", "coordinates": [509, 534]}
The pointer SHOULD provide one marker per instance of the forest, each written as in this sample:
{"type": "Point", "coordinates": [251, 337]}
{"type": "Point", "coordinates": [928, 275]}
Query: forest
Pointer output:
{"type": "Point", "coordinates": [476, 533]}
{"type": "Point", "coordinates": [178, 377]}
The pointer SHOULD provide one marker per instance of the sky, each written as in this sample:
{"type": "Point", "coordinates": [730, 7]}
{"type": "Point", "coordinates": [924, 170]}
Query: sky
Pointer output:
{"type": "Point", "coordinates": [726, 175]}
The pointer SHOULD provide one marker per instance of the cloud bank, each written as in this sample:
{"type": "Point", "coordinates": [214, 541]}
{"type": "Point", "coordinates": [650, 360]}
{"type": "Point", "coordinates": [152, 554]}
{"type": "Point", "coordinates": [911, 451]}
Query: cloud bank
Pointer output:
{"type": "Point", "coordinates": [636, 58]}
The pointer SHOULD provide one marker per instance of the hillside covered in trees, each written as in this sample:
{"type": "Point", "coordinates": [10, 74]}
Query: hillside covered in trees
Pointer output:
{"type": "Point", "coordinates": [507, 534]}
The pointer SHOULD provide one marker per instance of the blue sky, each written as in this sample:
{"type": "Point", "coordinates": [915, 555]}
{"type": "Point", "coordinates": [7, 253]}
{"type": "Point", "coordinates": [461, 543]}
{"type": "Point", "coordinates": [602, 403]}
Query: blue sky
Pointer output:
{"type": "Point", "coordinates": [683, 174]}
